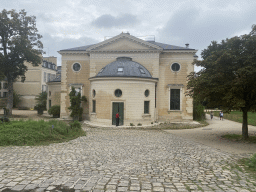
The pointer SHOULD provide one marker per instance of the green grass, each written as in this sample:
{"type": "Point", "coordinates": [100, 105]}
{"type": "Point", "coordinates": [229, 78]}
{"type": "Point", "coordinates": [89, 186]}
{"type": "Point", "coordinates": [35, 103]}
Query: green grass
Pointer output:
{"type": "Point", "coordinates": [249, 164]}
{"type": "Point", "coordinates": [238, 116]}
{"type": "Point", "coordinates": [29, 133]}
{"type": "Point", "coordinates": [235, 137]}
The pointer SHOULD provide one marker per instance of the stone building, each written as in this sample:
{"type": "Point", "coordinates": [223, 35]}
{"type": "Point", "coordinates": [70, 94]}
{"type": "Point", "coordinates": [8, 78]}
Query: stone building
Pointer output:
{"type": "Point", "coordinates": [3, 93]}
{"type": "Point", "coordinates": [145, 81]}
{"type": "Point", "coordinates": [36, 81]}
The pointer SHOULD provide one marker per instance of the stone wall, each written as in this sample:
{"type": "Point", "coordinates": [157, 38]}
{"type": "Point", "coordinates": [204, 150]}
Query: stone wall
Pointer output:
{"type": "Point", "coordinates": [133, 97]}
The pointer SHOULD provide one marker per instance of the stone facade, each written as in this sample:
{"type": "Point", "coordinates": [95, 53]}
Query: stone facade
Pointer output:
{"type": "Point", "coordinates": [166, 82]}
{"type": "Point", "coordinates": [36, 79]}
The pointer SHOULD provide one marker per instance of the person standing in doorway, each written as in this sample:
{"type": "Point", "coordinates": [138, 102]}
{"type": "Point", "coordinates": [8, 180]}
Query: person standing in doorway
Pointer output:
{"type": "Point", "coordinates": [117, 119]}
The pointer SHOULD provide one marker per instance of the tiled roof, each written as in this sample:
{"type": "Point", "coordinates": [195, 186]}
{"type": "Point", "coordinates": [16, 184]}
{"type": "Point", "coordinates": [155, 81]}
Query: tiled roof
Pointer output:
{"type": "Point", "coordinates": [162, 45]}
{"type": "Point", "coordinates": [124, 67]}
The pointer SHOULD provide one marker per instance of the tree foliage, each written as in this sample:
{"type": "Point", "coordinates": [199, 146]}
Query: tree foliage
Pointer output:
{"type": "Point", "coordinates": [75, 104]}
{"type": "Point", "coordinates": [19, 42]}
{"type": "Point", "coordinates": [41, 101]}
{"type": "Point", "coordinates": [228, 76]}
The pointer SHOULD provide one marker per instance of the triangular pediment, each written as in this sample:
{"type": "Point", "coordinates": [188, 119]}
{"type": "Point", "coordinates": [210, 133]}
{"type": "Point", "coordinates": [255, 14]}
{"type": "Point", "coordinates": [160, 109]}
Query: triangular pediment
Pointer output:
{"type": "Point", "coordinates": [124, 42]}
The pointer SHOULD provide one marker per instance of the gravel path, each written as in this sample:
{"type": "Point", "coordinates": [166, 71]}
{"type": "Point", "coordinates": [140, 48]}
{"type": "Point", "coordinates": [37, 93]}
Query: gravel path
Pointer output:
{"type": "Point", "coordinates": [211, 136]}
{"type": "Point", "coordinates": [116, 159]}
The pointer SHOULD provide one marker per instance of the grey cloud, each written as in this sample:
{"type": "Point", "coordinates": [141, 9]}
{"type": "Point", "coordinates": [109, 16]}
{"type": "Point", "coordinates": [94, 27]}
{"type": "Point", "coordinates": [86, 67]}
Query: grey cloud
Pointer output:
{"type": "Point", "coordinates": [193, 25]}
{"type": "Point", "coordinates": [109, 21]}
{"type": "Point", "coordinates": [52, 45]}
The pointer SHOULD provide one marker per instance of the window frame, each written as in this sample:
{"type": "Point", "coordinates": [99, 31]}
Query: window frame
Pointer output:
{"type": "Point", "coordinates": [177, 70]}
{"type": "Point", "coordinates": [146, 111]}
{"type": "Point", "coordinates": [93, 106]}
{"type": "Point", "coordinates": [116, 94]}
{"type": "Point", "coordinates": [72, 67]}
{"type": "Point", "coordinates": [180, 87]}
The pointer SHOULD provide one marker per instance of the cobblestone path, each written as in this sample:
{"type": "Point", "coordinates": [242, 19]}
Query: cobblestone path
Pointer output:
{"type": "Point", "coordinates": [121, 160]}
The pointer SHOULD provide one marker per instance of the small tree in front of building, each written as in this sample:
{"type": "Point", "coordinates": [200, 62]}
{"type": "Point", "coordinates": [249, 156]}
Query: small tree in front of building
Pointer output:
{"type": "Point", "coordinates": [41, 100]}
{"type": "Point", "coordinates": [75, 104]}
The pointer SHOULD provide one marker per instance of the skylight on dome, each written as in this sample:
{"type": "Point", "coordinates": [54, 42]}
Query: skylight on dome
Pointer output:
{"type": "Point", "coordinates": [142, 71]}
{"type": "Point", "coordinates": [120, 69]}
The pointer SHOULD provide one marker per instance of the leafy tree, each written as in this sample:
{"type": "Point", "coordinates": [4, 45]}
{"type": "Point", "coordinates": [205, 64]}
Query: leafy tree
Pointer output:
{"type": "Point", "coordinates": [228, 76]}
{"type": "Point", "coordinates": [19, 42]}
{"type": "Point", "coordinates": [75, 104]}
{"type": "Point", "coordinates": [41, 101]}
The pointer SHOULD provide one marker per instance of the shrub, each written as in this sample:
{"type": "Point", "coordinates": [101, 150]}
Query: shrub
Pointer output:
{"type": "Point", "coordinates": [131, 124]}
{"type": "Point", "coordinates": [198, 111]}
{"type": "Point", "coordinates": [4, 119]}
{"type": "Point", "coordinates": [76, 125]}
{"type": "Point", "coordinates": [55, 111]}
{"type": "Point", "coordinates": [139, 124]}
{"type": "Point", "coordinates": [41, 100]}
{"type": "Point", "coordinates": [23, 108]}
{"type": "Point", "coordinates": [16, 99]}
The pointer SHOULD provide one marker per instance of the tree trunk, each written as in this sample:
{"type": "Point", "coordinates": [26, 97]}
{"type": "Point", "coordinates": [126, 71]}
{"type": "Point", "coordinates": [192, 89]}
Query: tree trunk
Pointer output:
{"type": "Point", "coordinates": [245, 125]}
{"type": "Point", "coordinates": [10, 97]}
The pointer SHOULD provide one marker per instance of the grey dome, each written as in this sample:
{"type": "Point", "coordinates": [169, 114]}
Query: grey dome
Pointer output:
{"type": "Point", "coordinates": [124, 67]}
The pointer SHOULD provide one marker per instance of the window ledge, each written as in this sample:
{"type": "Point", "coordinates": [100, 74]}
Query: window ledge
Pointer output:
{"type": "Point", "coordinates": [146, 115]}
{"type": "Point", "coordinates": [174, 110]}
{"type": "Point", "coordinates": [93, 113]}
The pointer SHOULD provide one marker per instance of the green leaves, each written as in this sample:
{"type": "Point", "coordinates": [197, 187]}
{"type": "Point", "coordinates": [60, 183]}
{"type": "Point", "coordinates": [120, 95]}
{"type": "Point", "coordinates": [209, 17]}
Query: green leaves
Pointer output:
{"type": "Point", "coordinates": [229, 75]}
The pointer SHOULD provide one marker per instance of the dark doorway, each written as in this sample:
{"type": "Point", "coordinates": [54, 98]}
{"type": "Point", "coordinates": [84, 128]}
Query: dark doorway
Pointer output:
{"type": "Point", "coordinates": [118, 107]}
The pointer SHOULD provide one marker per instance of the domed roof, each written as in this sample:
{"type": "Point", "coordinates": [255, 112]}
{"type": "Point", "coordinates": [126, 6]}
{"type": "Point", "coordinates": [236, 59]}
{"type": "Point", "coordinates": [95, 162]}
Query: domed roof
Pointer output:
{"type": "Point", "coordinates": [124, 67]}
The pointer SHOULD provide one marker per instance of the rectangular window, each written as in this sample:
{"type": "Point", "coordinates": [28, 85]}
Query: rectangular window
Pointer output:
{"type": "Point", "coordinates": [175, 99]}
{"type": "Point", "coordinates": [44, 76]}
{"type": "Point", "coordinates": [48, 77]}
{"type": "Point", "coordinates": [146, 107]}
{"type": "Point", "coordinates": [4, 94]}
{"type": "Point", "coordinates": [93, 106]}
{"type": "Point", "coordinates": [5, 86]}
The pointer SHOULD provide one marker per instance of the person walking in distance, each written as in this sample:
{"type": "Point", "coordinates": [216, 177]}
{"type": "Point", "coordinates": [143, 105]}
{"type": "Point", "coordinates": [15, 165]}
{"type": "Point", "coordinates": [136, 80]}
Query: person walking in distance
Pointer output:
{"type": "Point", "coordinates": [211, 115]}
{"type": "Point", "coordinates": [117, 119]}
{"type": "Point", "coordinates": [221, 115]}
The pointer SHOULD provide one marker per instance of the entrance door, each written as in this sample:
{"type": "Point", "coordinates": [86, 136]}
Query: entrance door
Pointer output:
{"type": "Point", "coordinates": [118, 107]}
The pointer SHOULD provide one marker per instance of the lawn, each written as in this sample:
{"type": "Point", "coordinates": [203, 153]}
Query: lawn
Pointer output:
{"type": "Point", "coordinates": [29, 133]}
{"type": "Point", "coordinates": [238, 116]}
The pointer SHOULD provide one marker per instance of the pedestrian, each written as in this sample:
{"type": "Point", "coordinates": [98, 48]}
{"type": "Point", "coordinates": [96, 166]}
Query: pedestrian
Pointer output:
{"type": "Point", "coordinates": [117, 119]}
{"type": "Point", "coordinates": [211, 115]}
{"type": "Point", "coordinates": [221, 115]}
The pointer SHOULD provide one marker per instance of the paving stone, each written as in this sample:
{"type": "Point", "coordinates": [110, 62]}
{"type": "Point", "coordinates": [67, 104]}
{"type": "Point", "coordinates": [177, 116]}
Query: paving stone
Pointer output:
{"type": "Point", "coordinates": [158, 189]}
{"type": "Point", "coordinates": [50, 188]}
{"type": "Point", "coordinates": [118, 159]}
{"type": "Point", "coordinates": [31, 186]}
{"type": "Point", "coordinates": [18, 187]}
{"type": "Point", "coordinates": [11, 184]}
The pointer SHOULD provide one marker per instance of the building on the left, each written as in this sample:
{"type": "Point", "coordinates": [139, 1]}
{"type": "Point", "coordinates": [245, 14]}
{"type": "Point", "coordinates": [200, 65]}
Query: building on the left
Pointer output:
{"type": "Point", "coordinates": [35, 82]}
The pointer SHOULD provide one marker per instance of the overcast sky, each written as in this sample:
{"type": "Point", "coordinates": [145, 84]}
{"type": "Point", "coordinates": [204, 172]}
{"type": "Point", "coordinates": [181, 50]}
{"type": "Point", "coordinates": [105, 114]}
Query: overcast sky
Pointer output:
{"type": "Point", "coordinates": [73, 23]}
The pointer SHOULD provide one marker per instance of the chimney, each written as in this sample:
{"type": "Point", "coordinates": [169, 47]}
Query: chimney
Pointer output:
{"type": "Point", "coordinates": [187, 45]}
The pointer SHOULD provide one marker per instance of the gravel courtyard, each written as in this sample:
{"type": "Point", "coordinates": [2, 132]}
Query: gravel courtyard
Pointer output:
{"type": "Point", "coordinates": [117, 159]}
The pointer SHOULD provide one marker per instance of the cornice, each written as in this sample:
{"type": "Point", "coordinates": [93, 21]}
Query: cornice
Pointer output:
{"type": "Point", "coordinates": [123, 36]}
{"type": "Point", "coordinates": [179, 51]}
{"type": "Point", "coordinates": [123, 79]}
